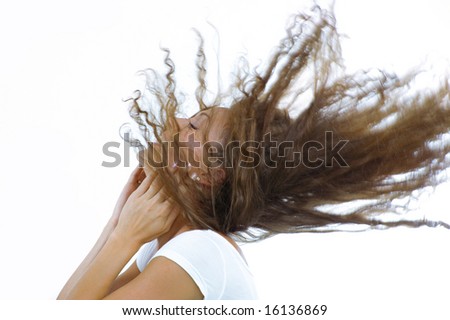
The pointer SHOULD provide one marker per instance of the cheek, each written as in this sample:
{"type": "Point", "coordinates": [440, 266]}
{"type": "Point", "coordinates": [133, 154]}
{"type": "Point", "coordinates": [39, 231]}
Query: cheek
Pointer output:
{"type": "Point", "coordinates": [194, 152]}
{"type": "Point", "coordinates": [188, 151]}
{"type": "Point", "coordinates": [196, 157]}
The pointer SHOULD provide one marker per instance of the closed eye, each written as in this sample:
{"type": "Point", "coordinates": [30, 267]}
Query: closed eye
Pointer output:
{"type": "Point", "coordinates": [192, 126]}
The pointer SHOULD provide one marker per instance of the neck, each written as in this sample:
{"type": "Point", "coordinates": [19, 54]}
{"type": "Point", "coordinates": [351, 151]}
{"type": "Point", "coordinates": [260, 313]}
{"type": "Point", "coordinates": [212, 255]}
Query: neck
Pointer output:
{"type": "Point", "coordinates": [180, 225]}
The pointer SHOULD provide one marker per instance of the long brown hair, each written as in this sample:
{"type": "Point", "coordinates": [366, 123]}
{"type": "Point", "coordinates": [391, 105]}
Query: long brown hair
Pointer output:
{"type": "Point", "coordinates": [366, 136]}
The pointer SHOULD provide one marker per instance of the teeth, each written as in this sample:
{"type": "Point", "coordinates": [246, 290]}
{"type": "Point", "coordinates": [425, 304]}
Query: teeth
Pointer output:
{"type": "Point", "coordinates": [195, 177]}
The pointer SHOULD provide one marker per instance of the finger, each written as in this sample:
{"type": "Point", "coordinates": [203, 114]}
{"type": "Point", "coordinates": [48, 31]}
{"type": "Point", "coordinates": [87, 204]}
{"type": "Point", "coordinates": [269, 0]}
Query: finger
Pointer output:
{"type": "Point", "coordinates": [141, 177]}
{"type": "Point", "coordinates": [155, 188]}
{"type": "Point", "coordinates": [146, 183]}
{"type": "Point", "coordinates": [135, 174]}
{"type": "Point", "coordinates": [133, 180]}
{"type": "Point", "coordinates": [173, 168]}
{"type": "Point", "coordinates": [155, 192]}
{"type": "Point", "coordinates": [171, 201]}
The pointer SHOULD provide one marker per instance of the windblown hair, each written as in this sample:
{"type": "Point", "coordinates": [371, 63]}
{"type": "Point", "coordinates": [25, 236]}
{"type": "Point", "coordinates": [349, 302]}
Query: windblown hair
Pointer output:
{"type": "Point", "coordinates": [392, 140]}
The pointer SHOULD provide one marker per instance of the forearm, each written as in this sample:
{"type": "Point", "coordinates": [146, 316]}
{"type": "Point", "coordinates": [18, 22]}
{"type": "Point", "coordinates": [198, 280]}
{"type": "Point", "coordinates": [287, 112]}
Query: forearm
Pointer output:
{"type": "Point", "coordinates": [98, 277]}
{"type": "Point", "coordinates": [83, 267]}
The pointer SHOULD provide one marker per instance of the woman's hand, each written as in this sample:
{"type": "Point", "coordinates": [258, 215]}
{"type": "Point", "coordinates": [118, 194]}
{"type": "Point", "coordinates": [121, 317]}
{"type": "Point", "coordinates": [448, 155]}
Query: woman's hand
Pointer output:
{"type": "Point", "coordinates": [147, 213]}
{"type": "Point", "coordinates": [136, 177]}
{"type": "Point", "coordinates": [132, 184]}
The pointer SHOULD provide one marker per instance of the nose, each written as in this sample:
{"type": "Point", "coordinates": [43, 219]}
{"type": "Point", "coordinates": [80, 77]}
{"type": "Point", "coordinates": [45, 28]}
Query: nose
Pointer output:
{"type": "Point", "coordinates": [182, 122]}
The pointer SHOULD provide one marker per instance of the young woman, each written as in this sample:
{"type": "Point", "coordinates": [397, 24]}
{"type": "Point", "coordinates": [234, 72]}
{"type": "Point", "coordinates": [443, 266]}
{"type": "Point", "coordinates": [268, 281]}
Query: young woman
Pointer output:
{"type": "Point", "coordinates": [244, 168]}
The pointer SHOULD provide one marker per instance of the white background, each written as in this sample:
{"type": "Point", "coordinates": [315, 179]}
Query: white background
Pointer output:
{"type": "Point", "coordinates": [65, 67]}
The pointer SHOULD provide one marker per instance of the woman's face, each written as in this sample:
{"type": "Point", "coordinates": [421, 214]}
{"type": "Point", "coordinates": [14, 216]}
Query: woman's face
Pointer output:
{"type": "Point", "coordinates": [194, 132]}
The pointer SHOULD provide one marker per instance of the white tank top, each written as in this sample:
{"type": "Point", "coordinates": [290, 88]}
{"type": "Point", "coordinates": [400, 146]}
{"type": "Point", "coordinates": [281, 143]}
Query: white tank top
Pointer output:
{"type": "Point", "coordinates": [214, 264]}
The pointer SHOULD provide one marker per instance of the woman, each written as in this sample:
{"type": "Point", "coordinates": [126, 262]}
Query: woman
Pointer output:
{"type": "Point", "coordinates": [254, 170]}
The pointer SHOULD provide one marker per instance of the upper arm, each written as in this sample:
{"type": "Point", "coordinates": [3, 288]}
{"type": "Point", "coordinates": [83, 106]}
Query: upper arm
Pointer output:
{"type": "Point", "coordinates": [162, 279]}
